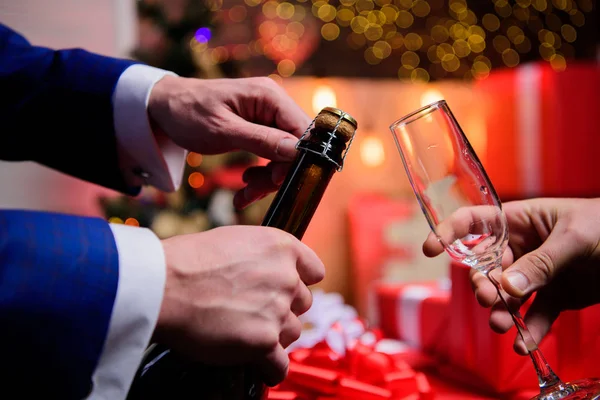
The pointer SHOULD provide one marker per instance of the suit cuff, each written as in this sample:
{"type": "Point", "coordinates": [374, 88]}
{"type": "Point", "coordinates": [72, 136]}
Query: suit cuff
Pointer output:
{"type": "Point", "coordinates": [142, 274]}
{"type": "Point", "coordinates": [143, 159]}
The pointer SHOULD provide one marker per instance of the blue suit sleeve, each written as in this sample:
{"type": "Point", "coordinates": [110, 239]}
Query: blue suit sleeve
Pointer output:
{"type": "Point", "coordinates": [56, 109]}
{"type": "Point", "coordinates": [58, 282]}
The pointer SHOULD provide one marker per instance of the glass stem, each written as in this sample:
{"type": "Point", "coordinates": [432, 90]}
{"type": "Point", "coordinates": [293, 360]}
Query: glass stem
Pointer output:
{"type": "Point", "coordinates": [547, 378]}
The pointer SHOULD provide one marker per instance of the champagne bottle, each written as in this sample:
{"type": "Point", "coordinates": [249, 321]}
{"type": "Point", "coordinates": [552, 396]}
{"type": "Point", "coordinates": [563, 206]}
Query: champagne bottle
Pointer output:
{"type": "Point", "coordinates": [321, 152]}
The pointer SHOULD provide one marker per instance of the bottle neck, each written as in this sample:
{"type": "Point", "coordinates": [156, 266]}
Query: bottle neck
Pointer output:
{"type": "Point", "coordinates": [300, 193]}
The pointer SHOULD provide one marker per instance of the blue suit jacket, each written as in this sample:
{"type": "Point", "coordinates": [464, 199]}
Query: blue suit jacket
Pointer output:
{"type": "Point", "coordinates": [58, 273]}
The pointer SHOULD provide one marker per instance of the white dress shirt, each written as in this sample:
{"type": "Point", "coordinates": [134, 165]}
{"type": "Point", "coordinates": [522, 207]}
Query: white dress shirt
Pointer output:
{"type": "Point", "coordinates": [142, 266]}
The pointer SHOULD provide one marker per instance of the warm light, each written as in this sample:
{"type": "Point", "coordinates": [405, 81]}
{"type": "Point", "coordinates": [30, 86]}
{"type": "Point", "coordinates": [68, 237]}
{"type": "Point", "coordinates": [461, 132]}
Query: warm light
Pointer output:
{"type": "Point", "coordinates": [132, 222]}
{"type": "Point", "coordinates": [324, 96]}
{"type": "Point", "coordinates": [196, 179]}
{"type": "Point", "coordinates": [115, 220]}
{"type": "Point", "coordinates": [194, 159]}
{"type": "Point", "coordinates": [371, 152]}
{"type": "Point", "coordinates": [431, 96]}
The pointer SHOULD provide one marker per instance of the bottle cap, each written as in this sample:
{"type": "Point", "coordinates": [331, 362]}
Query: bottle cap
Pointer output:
{"type": "Point", "coordinates": [338, 121]}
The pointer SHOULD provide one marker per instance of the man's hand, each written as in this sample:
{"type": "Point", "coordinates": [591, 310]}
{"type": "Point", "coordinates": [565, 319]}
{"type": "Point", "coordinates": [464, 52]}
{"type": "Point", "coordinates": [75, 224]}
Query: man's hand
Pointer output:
{"type": "Point", "coordinates": [553, 249]}
{"type": "Point", "coordinates": [220, 115]}
{"type": "Point", "coordinates": [233, 296]}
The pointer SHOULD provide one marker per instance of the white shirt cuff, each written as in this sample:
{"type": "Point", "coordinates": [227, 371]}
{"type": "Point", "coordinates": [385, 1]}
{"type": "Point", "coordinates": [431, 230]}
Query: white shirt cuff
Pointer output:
{"type": "Point", "coordinates": [142, 275]}
{"type": "Point", "coordinates": [143, 159]}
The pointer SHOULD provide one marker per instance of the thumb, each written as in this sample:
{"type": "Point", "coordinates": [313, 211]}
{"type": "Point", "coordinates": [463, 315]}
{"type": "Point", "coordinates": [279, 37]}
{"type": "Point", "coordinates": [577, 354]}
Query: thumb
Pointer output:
{"type": "Point", "coordinates": [537, 268]}
{"type": "Point", "coordinates": [267, 142]}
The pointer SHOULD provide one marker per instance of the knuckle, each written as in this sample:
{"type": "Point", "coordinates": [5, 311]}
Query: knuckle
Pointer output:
{"type": "Point", "coordinates": [543, 265]}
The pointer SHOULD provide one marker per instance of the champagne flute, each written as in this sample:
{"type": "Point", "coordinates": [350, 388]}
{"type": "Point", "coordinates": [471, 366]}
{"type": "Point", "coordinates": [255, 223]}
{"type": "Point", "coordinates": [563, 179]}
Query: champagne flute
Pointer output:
{"type": "Point", "coordinates": [465, 213]}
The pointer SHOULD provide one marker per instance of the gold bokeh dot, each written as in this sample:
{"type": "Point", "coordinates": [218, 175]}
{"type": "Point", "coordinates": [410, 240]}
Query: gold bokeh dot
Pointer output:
{"type": "Point", "coordinates": [390, 12]}
{"type": "Point", "coordinates": [269, 9]}
{"type": "Point", "coordinates": [578, 19]}
{"type": "Point", "coordinates": [439, 33]}
{"type": "Point", "coordinates": [373, 32]}
{"type": "Point", "coordinates": [560, 4]}
{"type": "Point", "coordinates": [477, 43]}
{"type": "Point", "coordinates": [382, 49]}
{"type": "Point", "coordinates": [522, 14]}
{"type": "Point", "coordinates": [553, 22]}
{"type": "Point", "coordinates": [356, 40]}
{"type": "Point", "coordinates": [412, 41]}
{"type": "Point", "coordinates": [419, 75]}
{"type": "Point", "coordinates": [359, 24]}
{"type": "Point", "coordinates": [480, 70]}
{"type": "Point", "coordinates": [344, 16]}
{"type": "Point", "coordinates": [285, 10]}
{"type": "Point", "coordinates": [286, 68]}
{"type": "Point", "coordinates": [558, 62]}
{"type": "Point", "coordinates": [568, 33]}
{"type": "Point", "coordinates": [539, 5]}
{"type": "Point", "coordinates": [490, 22]}
{"type": "Point", "coordinates": [458, 6]}
{"type": "Point", "coordinates": [421, 8]}
{"type": "Point", "coordinates": [586, 5]}
{"type": "Point", "coordinates": [450, 63]}
{"type": "Point", "coordinates": [370, 56]}
{"type": "Point", "coordinates": [461, 48]}
{"type": "Point", "coordinates": [432, 54]}
{"type": "Point", "coordinates": [547, 51]}
{"type": "Point", "coordinates": [500, 43]}
{"type": "Point", "coordinates": [524, 47]}
{"type": "Point", "coordinates": [330, 31]}
{"type": "Point", "coordinates": [396, 41]}
{"type": "Point", "coordinates": [410, 60]}
{"type": "Point", "coordinates": [364, 5]}
{"type": "Point", "coordinates": [510, 58]}
{"type": "Point", "coordinates": [405, 19]}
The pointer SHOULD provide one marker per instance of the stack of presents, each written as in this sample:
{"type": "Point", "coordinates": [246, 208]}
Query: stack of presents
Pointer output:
{"type": "Point", "coordinates": [414, 336]}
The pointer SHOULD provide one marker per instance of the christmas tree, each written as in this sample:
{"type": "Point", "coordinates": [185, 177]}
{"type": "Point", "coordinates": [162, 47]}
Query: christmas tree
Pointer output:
{"type": "Point", "coordinates": [205, 198]}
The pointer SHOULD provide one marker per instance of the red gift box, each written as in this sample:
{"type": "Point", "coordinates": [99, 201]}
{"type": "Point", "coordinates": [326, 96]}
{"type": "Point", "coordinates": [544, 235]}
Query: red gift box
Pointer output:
{"type": "Point", "coordinates": [416, 313]}
{"type": "Point", "coordinates": [542, 130]}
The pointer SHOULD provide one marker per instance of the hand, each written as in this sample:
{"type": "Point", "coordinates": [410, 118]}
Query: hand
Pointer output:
{"type": "Point", "coordinates": [233, 296]}
{"type": "Point", "coordinates": [553, 250]}
{"type": "Point", "coordinates": [219, 115]}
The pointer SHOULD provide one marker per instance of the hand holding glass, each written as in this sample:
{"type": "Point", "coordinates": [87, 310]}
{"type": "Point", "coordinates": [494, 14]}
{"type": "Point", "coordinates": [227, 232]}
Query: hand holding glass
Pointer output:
{"type": "Point", "coordinates": [465, 213]}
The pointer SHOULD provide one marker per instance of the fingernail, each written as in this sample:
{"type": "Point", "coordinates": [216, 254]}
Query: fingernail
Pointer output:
{"type": "Point", "coordinates": [518, 280]}
{"type": "Point", "coordinates": [287, 147]}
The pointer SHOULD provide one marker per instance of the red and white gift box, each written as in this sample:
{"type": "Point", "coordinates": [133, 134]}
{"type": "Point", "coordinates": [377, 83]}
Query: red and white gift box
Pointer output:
{"type": "Point", "coordinates": [416, 313]}
{"type": "Point", "coordinates": [542, 130]}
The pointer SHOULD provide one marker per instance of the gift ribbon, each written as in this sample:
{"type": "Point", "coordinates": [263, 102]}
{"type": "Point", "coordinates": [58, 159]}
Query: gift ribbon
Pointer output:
{"type": "Point", "coordinates": [341, 369]}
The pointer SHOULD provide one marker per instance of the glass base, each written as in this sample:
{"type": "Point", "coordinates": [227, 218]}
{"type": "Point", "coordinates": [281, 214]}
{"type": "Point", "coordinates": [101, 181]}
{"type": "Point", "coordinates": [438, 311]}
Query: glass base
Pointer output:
{"type": "Point", "coordinates": [584, 389]}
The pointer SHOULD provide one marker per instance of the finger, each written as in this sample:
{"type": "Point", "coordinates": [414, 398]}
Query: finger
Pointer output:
{"type": "Point", "coordinates": [274, 172]}
{"type": "Point", "coordinates": [290, 330]}
{"type": "Point", "coordinates": [485, 291]}
{"type": "Point", "coordinates": [478, 222]}
{"type": "Point", "coordinates": [537, 268]}
{"type": "Point", "coordinates": [274, 367]}
{"type": "Point", "coordinates": [302, 300]}
{"type": "Point", "coordinates": [309, 266]}
{"type": "Point", "coordinates": [539, 319]}
{"type": "Point", "coordinates": [267, 142]}
{"type": "Point", "coordinates": [500, 320]}
{"type": "Point", "coordinates": [432, 246]}
{"type": "Point", "coordinates": [289, 116]}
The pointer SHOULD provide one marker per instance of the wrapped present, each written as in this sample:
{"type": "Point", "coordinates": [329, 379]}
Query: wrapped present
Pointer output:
{"type": "Point", "coordinates": [416, 313]}
{"type": "Point", "coordinates": [386, 236]}
{"type": "Point", "coordinates": [340, 359]}
{"type": "Point", "coordinates": [362, 370]}
{"type": "Point", "coordinates": [541, 131]}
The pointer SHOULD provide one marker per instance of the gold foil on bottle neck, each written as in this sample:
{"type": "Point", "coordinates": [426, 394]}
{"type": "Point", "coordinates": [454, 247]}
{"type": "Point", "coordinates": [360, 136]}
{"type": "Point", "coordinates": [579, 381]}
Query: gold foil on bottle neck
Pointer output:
{"type": "Point", "coordinates": [329, 118]}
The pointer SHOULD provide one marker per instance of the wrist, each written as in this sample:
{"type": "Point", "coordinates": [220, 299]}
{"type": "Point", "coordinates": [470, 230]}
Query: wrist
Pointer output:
{"type": "Point", "coordinates": [159, 103]}
{"type": "Point", "coordinates": [171, 313]}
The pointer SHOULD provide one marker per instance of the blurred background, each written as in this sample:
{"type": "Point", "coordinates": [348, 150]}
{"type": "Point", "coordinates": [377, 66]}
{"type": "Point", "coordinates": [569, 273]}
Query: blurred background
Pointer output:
{"type": "Point", "coordinates": [521, 77]}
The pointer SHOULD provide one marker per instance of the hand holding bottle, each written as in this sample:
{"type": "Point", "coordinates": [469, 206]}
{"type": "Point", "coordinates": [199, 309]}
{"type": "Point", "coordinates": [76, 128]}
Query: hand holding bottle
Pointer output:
{"type": "Point", "coordinates": [233, 296]}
